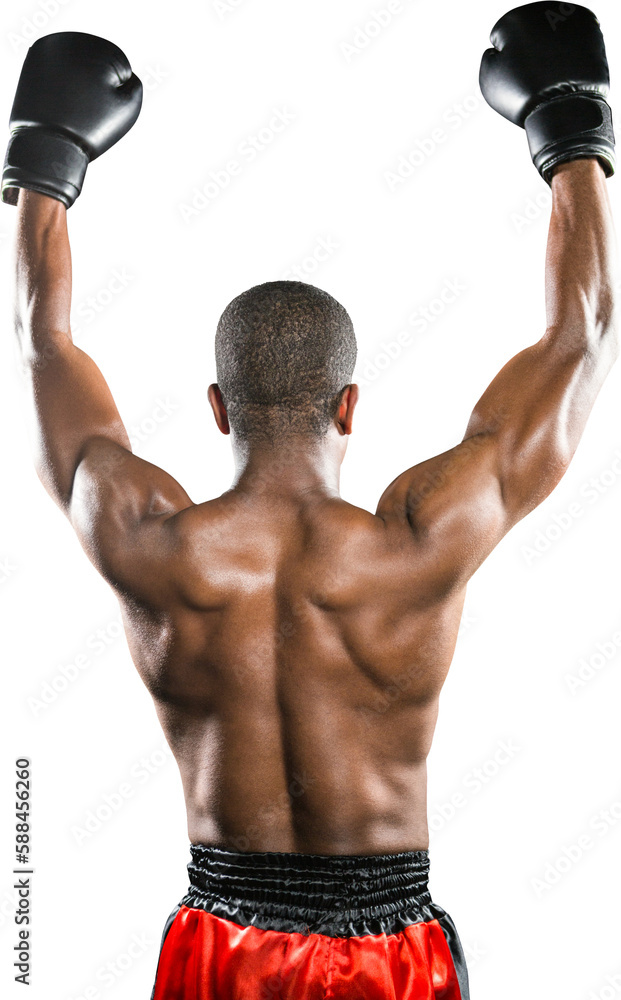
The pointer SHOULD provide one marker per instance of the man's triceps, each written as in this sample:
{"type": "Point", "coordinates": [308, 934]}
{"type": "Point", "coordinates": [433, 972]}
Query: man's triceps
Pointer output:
{"type": "Point", "coordinates": [518, 444]}
{"type": "Point", "coordinates": [544, 396]}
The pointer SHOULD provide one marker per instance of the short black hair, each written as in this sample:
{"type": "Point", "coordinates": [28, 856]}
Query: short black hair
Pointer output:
{"type": "Point", "coordinates": [285, 350]}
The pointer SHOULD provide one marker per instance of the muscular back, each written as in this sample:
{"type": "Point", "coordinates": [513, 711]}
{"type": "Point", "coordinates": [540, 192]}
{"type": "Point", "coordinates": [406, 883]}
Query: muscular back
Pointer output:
{"type": "Point", "coordinates": [296, 672]}
{"type": "Point", "coordinates": [295, 645]}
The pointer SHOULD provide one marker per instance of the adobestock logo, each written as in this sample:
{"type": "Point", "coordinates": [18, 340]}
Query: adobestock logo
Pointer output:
{"type": "Point", "coordinates": [389, 351]}
{"type": "Point", "coordinates": [51, 689]}
{"type": "Point", "coordinates": [32, 26]}
{"type": "Point", "coordinates": [610, 989]}
{"type": "Point", "coordinates": [605, 652]}
{"type": "Point", "coordinates": [560, 523]}
{"type": "Point", "coordinates": [535, 208]}
{"type": "Point", "coordinates": [472, 783]}
{"type": "Point", "coordinates": [7, 569]}
{"type": "Point", "coordinates": [323, 250]}
{"type": "Point", "coordinates": [224, 7]}
{"type": "Point", "coordinates": [365, 33]}
{"type": "Point", "coordinates": [247, 152]}
{"type": "Point", "coordinates": [109, 974]}
{"type": "Point", "coordinates": [87, 310]}
{"type": "Point", "coordinates": [144, 429]}
{"type": "Point", "coordinates": [422, 149]}
{"type": "Point", "coordinates": [559, 13]}
{"type": "Point", "coordinates": [113, 801]}
{"type": "Point", "coordinates": [570, 855]}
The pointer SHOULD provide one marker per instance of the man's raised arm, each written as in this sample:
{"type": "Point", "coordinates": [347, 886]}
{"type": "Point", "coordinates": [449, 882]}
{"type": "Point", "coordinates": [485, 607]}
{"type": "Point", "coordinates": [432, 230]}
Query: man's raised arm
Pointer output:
{"type": "Point", "coordinates": [76, 97]}
{"type": "Point", "coordinates": [74, 419]}
{"type": "Point", "coordinates": [535, 410]}
{"type": "Point", "coordinates": [525, 428]}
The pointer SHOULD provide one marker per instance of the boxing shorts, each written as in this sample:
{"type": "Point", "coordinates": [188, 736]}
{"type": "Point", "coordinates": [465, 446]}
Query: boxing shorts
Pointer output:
{"type": "Point", "coordinates": [284, 926]}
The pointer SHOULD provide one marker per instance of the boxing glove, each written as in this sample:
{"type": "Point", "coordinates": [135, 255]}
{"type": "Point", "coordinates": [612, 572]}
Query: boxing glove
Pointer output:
{"type": "Point", "coordinates": [548, 73]}
{"type": "Point", "coordinates": [76, 97]}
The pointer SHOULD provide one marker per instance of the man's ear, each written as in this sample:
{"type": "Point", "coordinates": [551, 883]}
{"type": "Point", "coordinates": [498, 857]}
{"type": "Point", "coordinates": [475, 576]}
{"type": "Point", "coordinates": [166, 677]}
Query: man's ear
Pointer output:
{"type": "Point", "coordinates": [219, 409]}
{"type": "Point", "coordinates": [345, 413]}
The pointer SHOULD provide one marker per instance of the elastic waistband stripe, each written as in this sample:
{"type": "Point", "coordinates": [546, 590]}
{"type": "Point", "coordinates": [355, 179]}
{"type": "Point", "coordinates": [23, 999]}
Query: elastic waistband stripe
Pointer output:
{"type": "Point", "coordinates": [328, 893]}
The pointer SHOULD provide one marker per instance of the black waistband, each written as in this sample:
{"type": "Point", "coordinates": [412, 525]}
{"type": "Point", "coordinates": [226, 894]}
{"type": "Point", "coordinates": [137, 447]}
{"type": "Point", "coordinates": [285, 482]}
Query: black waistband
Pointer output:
{"type": "Point", "coordinates": [337, 895]}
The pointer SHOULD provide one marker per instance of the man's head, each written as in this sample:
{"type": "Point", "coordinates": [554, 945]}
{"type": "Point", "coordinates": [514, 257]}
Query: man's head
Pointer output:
{"type": "Point", "coordinates": [285, 353]}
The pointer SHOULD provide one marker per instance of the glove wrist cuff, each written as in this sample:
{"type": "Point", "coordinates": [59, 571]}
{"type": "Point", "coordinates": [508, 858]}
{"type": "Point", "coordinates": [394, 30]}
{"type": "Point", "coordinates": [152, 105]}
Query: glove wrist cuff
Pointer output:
{"type": "Point", "coordinates": [43, 161]}
{"type": "Point", "coordinates": [570, 127]}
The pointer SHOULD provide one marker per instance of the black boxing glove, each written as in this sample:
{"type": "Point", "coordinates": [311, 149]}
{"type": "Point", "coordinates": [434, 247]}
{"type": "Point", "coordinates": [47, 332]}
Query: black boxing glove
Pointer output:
{"type": "Point", "coordinates": [76, 97]}
{"type": "Point", "coordinates": [548, 73]}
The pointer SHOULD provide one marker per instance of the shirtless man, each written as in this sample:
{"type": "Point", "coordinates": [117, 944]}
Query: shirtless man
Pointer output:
{"type": "Point", "coordinates": [268, 623]}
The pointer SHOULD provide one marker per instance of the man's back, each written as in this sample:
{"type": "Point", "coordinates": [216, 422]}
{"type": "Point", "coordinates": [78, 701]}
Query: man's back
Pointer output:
{"type": "Point", "coordinates": [296, 658]}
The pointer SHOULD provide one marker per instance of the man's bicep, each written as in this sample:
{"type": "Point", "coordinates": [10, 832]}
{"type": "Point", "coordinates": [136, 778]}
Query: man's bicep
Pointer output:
{"type": "Point", "coordinates": [535, 411]}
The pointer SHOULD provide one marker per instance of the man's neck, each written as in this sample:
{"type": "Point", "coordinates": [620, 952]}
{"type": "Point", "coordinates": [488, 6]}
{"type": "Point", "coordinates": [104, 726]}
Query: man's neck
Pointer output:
{"type": "Point", "coordinates": [296, 468]}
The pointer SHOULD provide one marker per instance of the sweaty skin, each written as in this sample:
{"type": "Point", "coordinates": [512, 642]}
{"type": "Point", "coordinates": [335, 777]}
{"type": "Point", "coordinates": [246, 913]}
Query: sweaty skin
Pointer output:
{"type": "Point", "coordinates": [295, 645]}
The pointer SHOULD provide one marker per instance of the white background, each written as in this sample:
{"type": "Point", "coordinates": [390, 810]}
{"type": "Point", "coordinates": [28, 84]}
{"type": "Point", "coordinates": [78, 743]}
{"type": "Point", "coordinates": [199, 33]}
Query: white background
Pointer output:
{"type": "Point", "coordinates": [474, 212]}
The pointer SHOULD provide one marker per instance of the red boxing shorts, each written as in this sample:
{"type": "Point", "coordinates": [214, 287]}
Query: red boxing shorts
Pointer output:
{"type": "Point", "coordinates": [278, 926]}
